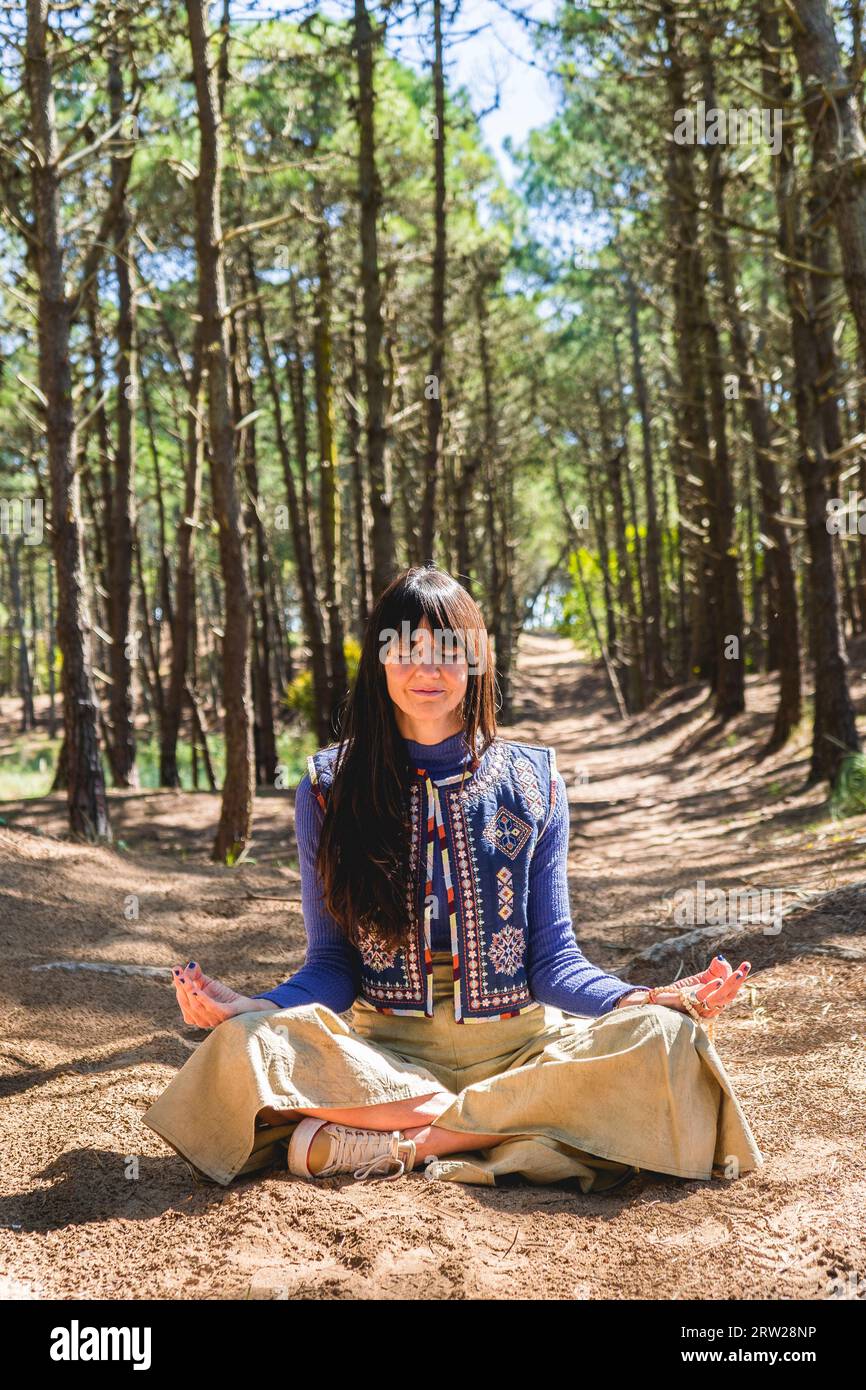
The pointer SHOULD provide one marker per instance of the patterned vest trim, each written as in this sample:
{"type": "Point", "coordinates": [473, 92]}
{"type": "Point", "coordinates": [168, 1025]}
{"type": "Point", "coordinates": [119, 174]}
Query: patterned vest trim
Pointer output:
{"type": "Point", "coordinates": [487, 823]}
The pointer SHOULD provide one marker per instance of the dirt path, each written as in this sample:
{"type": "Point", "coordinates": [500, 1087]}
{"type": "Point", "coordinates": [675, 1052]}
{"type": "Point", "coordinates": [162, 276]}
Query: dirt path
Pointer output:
{"type": "Point", "coordinates": [93, 1205]}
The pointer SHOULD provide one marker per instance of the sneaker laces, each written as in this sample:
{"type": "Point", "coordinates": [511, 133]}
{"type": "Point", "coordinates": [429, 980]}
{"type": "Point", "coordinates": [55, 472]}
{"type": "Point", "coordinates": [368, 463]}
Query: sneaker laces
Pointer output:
{"type": "Point", "coordinates": [355, 1142]}
{"type": "Point", "coordinates": [372, 1168]}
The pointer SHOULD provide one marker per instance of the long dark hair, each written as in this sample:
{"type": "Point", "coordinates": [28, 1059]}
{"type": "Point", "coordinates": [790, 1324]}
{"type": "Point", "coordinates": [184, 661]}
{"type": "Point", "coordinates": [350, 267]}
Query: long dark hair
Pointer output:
{"type": "Point", "coordinates": [363, 854]}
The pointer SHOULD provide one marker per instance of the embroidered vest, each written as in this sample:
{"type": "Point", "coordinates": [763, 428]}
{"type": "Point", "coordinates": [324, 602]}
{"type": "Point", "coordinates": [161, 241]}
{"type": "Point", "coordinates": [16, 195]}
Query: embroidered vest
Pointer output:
{"type": "Point", "coordinates": [487, 829]}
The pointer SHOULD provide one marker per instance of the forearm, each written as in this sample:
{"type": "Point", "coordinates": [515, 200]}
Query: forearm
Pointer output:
{"type": "Point", "coordinates": [567, 980]}
{"type": "Point", "coordinates": [324, 978]}
{"type": "Point", "coordinates": [559, 972]}
{"type": "Point", "coordinates": [634, 996]}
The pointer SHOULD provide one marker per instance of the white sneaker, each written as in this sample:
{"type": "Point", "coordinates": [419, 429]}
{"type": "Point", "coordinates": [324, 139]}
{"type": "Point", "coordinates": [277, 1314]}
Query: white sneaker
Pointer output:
{"type": "Point", "coordinates": [368, 1153]}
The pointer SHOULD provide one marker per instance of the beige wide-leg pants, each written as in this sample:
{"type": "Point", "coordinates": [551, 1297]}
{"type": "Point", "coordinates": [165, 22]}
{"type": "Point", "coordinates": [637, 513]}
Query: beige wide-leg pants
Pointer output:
{"type": "Point", "coordinates": [577, 1097]}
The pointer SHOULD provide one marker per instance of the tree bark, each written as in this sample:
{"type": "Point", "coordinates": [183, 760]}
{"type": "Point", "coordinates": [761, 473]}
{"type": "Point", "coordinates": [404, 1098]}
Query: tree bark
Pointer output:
{"type": "Point", "coordinates": [729, 666]}
{"type": "Point", "coordinates": [628, 652]}
{"type": "Point", "coordinates": [834, 733]}
{"type": "Point", "coordinates": [299, 522]}
{"type": "Point", "coordinates": [693, 431]}
{"type": "Point", "coordinates": [654, 638]}
{"type": "Point", "coordinates": [264, 735]}
{"type": "Point", "coordinates": [25, 682]}
{"type": "Point", "coordinates": [329, 482]}
{"type": "Point", "coordinates": [236, 812]}
{"type": "Point", "coordinates": [359, 485]}
{"type": "Point", "coordinates": [830, 106]}
{"type": "Point", "coordinates": [782, 615]}
{"type": "Point", "coordinates": [121, 747]}
{"type": "Point", "coordinates": [433, 394]}
{"type": "Point", "coordinates": [182, 615]}
{"type": "Point", "coordinates": [88, 807]}
{"type": "Point", "coordinates": [370, 197]}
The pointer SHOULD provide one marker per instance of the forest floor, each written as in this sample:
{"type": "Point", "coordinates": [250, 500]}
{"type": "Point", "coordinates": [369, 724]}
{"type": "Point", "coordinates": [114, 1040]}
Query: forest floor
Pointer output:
{"type": "Point", "coordinates": [94, 1205]}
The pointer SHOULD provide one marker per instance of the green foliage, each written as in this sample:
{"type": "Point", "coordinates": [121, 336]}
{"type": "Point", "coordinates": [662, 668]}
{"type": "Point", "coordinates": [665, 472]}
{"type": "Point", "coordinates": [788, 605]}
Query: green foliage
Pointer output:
{"type": "Point", "coordinates": [848, 797]}
{"type": "Point", "coordinates": [300, 697]}
{"type": "Point", "coordinates": [235, 857]}
{"type": "Point", "coordinates": [147, 761]}
{"type": "Point", "coordinates": [27, 766]}
{"type": "Point", "coordinates": [575, 621]}
{"type": "Point", "coordinates": [28, 763]}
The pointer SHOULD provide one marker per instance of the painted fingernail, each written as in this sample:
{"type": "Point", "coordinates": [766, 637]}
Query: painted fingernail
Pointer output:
{"type": "Point", "coordinates": [724, 958]}
{"type": "Point", "coordinates": [191, 965]}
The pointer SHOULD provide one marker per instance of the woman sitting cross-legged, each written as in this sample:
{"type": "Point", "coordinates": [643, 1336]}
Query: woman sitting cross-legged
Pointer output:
{"type": "Point", "coordinates": [481, 1041]}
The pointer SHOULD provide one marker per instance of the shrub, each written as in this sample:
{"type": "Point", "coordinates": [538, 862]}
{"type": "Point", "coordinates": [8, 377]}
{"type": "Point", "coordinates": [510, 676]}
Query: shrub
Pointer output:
{"type": "Point", "coordinates": [300, 697]}
{"type": "Point", "coordinates": [849, 794]}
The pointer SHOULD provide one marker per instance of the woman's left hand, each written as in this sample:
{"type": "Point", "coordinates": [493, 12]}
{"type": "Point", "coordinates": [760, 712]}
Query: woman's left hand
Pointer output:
{"type": "Point", "coordinates": [718, 969]}
{"type": "Point", "coordinates": [708, 998]}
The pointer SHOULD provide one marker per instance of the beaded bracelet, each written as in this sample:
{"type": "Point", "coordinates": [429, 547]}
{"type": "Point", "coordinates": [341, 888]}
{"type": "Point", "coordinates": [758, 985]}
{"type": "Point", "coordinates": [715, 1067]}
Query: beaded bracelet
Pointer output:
{"type": "Point", "coordinates": [708, 1023]}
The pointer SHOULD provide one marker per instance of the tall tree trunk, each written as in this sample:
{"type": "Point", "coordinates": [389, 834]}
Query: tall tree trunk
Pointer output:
{"type": "Point", "coordinates": [433, 393]}
{"type": "Point", "coordinates": [236, 812]}
{"type": "Point", "coordinates": [99, 513]}
{"type": "Point", "coordinates": [370, 196]}
{"type": "Point", "coordinates": [834, 118]}
{"type": "Point", "coordinates": [783, 620]}
{"type": "Point", "coordinates": [359, 484]}
{"type": "Point", "coordinates": [35, 682]}
{"type": "Point", "coordinates": [264, 735]}
{"type": "Point", "coordinates": [490, 437]}
{"type": "Point", "coordinates": [329, 481]}
{"type": "Point", "coordinates": [597, 498]}
{"type": "Point", "coordinates": [861, 483]}
{"type": "Point", "coordinates": [730, 664]}
{"type": "Point", "coordinates": [297, 379]}
{"type": "Point", "coordinates": [693, 431]}
{"type": "Point", "coordinates": [121, 747]}
{"type": "Point", "coordinates": [577, 542]}
{"type": "Point", "coordinates": [150, 655]}
{"type": "Point", "coordinates": [476, 463]}
{"type": "Point", "coordinates": [507, 628]}
{"type": "Point", "coordinates": [682, 557]}
{"type": "Point", "coordinates": [51, 639]}
{"type": "Point", "coordinates": [25, 683]}
{"type": "Point", "coordinates": [628, 477]}
{"type": "Point", "coordinates": [165, 602]}
{"type": "Point", "coordinates": [834, 733]}
{"type": "Point", "coordinates": [182, 616]}
{"type": "Point", "coordinates": [654, 636]}
{"type": "Point", "coordinates": [299, 521]}
{"type": "Point", "coordinates": [628, 652]}
{"type": "Point", "coordinates": [88, 808]}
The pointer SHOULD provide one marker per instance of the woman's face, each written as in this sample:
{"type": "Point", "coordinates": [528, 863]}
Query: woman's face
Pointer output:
{"type": "Point", "coordinates": [427, 680]}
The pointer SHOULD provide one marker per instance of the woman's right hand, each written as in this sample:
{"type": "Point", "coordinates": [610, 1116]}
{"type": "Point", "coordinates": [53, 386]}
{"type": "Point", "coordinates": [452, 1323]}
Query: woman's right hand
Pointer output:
{"type": "Point", "coordinates": [205, 1002]}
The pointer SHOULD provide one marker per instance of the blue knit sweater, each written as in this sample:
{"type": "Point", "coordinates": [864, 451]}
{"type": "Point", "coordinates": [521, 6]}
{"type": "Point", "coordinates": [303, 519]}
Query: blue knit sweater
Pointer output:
{"type": "Point", "coordinates": [559, 974]}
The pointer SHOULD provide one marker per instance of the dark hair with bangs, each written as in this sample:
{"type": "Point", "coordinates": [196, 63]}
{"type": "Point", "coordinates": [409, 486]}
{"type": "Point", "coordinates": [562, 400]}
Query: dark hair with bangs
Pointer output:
{"type": "Point", "coordinates": [363, 854]}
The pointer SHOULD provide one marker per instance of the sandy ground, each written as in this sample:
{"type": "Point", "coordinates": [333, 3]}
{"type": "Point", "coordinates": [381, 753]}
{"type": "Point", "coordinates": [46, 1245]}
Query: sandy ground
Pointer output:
{"type": "Point", "coordinates": [94, 1205]}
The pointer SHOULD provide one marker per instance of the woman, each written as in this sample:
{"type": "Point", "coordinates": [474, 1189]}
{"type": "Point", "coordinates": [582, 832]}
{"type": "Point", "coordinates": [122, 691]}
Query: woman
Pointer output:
{"type": "Point", "coordinates": [421, 803]}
